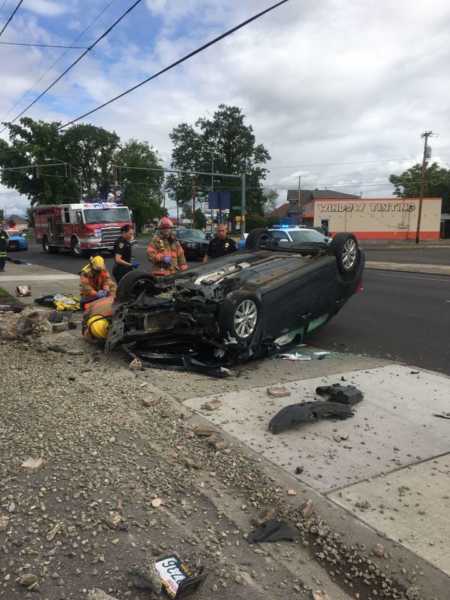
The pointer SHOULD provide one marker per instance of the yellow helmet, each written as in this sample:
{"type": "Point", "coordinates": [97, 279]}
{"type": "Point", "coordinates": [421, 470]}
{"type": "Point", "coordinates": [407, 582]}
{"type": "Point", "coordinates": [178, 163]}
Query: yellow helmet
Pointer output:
{"type": "Point", "coordinates": [98, 327]}
{"type": "Point", "coordinates": [97, 263]}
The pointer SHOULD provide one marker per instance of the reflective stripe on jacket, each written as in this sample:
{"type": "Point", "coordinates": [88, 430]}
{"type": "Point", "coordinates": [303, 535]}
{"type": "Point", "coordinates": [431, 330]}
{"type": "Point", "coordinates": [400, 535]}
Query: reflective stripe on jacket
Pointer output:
{"type": "Point", "coordinates": [92, 282]}
{"type": "Point", "coordinates": [160, 247]}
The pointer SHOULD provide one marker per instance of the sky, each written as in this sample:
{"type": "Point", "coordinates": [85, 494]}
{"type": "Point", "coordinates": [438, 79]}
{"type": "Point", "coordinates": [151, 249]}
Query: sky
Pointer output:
{"type": "Point", "coordinates": [339, 92]}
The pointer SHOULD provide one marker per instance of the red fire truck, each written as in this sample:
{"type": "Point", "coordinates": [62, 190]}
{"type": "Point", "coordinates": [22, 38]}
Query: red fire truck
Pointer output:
{"type": "Point", "coordinates": [79, 227]}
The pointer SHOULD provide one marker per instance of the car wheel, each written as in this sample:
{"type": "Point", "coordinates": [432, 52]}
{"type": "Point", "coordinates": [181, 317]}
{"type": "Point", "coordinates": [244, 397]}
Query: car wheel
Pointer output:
{"type": "Point", "coordinates": [258, 238]}
{"type": "Point", "coordinates": [241, 318]}
{"type": "Point", "coordinates": [75, 247]}
{"type": "Point", "coordinates": [134, 283]}
{"type": "Point", "coordinates": [348, 255]}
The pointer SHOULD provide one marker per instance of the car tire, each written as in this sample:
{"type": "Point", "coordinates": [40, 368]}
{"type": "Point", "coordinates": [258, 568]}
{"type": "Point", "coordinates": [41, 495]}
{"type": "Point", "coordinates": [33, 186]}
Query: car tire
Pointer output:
{"type": "Point", "coordinates": [257, 238]}
{"type": "Point", "coordinates": [132, 284]}
{"type": "Point", "coordinates": [46, 246]}
{"type": "Point", "coordinates": [241, 318]}
{"type": "Point", "coordinates": [75, 247]}
{"type": "Point", "coordinates": [348, 254]}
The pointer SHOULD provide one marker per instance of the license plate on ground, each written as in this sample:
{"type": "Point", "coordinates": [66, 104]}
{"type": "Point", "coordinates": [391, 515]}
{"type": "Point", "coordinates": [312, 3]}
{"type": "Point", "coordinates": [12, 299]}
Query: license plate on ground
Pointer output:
{"type": "Point", "coordinates": [176, 579]}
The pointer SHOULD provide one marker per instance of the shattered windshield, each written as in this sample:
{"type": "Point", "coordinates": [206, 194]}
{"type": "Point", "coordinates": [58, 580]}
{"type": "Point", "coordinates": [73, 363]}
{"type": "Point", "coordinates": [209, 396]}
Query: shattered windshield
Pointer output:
{"type": "Point", "coordinates": [106, 215]}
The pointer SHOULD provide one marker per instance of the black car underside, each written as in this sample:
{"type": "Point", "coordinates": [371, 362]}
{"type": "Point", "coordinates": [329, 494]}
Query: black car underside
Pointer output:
{"type": "Point", "coordinates": [184, 321]}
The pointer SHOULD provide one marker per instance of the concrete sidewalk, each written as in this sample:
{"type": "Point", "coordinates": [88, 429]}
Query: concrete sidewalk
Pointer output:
{"type": "Point", "coordinates": [408, 267]}
{"type": "Point", "coordinates": [387, 467]}
{"type": "Point", "coordinates": [42, 280]}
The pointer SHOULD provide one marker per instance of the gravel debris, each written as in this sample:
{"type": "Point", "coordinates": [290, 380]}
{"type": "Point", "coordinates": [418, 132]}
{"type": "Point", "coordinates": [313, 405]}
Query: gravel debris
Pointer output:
{"type": "Point", "coordinates": [86, 516]}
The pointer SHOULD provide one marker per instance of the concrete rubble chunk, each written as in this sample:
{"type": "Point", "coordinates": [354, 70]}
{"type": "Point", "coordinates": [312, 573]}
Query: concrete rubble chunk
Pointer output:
{"type": "Point", "coordinates": [97, 594]}
{"type": "Point", "coordinates": [278, 392]}
{"type": "Point", "coordinates": [212, 405]}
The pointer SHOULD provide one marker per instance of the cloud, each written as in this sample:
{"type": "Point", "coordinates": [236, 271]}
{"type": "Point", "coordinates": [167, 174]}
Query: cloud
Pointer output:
{"type": "Point", "coordinates": [338, 92]}
{"type": "Point", "coordinates": [46, 8]}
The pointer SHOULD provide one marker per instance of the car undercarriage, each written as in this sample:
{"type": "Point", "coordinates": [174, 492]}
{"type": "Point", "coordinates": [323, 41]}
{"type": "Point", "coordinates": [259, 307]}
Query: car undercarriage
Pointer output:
{"type": "Point", "coordinates": [215, 316]}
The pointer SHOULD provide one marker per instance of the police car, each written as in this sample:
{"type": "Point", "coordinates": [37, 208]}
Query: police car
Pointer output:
{"type": "Point", "coordinates": [291, 234]}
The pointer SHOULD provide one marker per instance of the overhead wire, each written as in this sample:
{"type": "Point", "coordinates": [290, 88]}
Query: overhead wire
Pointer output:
{"type": "Point", "coordinates": [177, 62]}
{"type": "Point", "coordinates": [37, 45]}
{"type": "Point", "coordinates": [11, 17]}
{"type": "Point", "coordinates": [77, 60]}
{"type": "Point", "coordinates": [60, 57]}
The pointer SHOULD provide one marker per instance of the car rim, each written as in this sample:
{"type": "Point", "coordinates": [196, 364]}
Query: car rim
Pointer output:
{"type": "Point", "coordinates": [245, 318]}
{"type": "Point", "coordinates": [349, 254]}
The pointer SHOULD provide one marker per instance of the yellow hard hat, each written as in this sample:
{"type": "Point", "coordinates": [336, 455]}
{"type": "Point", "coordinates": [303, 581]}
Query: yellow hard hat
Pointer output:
{"type": "Point", "coordinates": [98, 327]}
{"type": "Point", "coordinates": [97, 263]}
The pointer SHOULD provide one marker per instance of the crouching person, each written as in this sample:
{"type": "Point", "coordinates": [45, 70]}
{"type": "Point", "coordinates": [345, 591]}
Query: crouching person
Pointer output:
{"type": "Point", "coordinates": [95, 281]}
{"type": "Point", "coordinates": [97, 319]}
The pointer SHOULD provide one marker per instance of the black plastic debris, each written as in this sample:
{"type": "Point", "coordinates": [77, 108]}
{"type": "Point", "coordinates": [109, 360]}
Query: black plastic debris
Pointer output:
{"type": "Point", "coordinates": [272, 531]}
{"type": "Point", "coordinates": [308, 412]}
{"type": "Point", "coordinates": [344, 394]}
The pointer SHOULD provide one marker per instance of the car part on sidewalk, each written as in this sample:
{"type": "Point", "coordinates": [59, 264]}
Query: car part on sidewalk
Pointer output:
{"type": "Point", "coordinates": [59, 301]}
{"type": "Point", "coordinates": [344, 394]}
{"type": "Point", "coordinates": [308, 412]}
{"type": "Point", "coordinates": [272, 531]}
{"type": "Point", "coordinates": [239, 307]}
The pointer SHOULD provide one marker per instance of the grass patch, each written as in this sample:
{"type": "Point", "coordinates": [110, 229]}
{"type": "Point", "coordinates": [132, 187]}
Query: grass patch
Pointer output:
{"type": "Point", "coordinates": [6, 298]}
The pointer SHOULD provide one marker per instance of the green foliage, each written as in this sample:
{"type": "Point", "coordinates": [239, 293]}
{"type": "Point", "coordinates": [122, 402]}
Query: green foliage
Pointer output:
{"type": "Point", "coordinates": [40, 143]}
{"type": "Point", "coordinates": [81, 159]}
{"type": "Point", "coordinates": [199, 219]}
{"type": "Point", "coordinates": [222, 144]}
{"type": "Point", "coordinates": [437, 183]}
{"type": "Point", "coordinates": [141, 189]}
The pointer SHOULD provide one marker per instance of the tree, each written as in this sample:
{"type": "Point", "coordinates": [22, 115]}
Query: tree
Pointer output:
{"type": "Point", "coordinates": [199, 219]}
{"type": "Point", "coordinates": [141, 188]}
{"type": "Point", "coordinates": [90, 151]}
{"type": "Point", "coordinates": [222, 144]}
{"type": "Point", "coordinates": [37, 143]}
{"type": "Point", "coordinates": [74, 163]}
{"type": "Point", "coordinates": [437, 183]}
{"type": "Point", "coordinates": [271, 197]}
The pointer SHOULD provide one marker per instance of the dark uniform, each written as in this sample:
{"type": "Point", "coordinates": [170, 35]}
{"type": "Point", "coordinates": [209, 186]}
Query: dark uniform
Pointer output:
{"type": "Point", "coordinates": [123, 248]}
{"type": "Point", "coordinates": [218, 247]}
{"type": "Point", "coordinates": [3, 248]}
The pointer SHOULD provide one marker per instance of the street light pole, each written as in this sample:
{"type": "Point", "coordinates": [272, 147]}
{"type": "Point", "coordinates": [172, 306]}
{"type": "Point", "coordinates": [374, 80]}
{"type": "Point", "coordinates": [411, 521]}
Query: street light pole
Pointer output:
{"type": "Point", "coordinates": [243, 203]}
{"type": "Point", "coordinates": [425, 135]}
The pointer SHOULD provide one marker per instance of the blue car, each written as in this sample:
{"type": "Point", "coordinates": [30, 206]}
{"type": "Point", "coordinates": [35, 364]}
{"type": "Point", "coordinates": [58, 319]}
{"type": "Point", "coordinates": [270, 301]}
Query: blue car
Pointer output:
{"type": "Point", "coordinates": [16, 241]}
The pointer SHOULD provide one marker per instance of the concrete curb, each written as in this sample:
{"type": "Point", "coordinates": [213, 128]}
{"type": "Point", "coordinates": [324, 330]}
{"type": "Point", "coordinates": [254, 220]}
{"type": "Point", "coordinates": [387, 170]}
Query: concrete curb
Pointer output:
{"type": "Point", "coordinates": [409, 267]}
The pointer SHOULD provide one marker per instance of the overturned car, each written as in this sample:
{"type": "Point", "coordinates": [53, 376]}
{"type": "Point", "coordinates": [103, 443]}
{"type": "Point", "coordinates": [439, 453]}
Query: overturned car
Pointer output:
{"type": "Point", "coordinates": [246, 305]}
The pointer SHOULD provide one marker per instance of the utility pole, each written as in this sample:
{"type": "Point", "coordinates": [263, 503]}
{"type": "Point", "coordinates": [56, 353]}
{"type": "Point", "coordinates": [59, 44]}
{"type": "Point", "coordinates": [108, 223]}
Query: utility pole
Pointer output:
{"type": "Point", "coordinates": [299, 198]}
{"type": "Point", "coordinates": [426, 156]}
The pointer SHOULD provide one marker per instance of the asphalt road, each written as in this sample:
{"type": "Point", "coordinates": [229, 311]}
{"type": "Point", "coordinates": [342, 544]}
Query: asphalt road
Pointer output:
{"type": "Point", "coordinates": [427, 256]}
{"type": "Point", "coordinates": [399, 316]}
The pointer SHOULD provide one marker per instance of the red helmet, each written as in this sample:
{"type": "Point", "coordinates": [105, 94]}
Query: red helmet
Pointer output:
{"type": "Point", "coordinates": [165, 223]}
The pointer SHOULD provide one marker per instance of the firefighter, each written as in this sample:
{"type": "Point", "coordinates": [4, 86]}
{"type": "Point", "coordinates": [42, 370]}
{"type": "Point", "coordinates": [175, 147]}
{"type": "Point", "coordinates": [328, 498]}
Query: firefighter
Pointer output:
{"type": "Point", "coordinates": [123, 262]}
{"type": "Point", "coordinates": [95, 281]}
{"type": "Point", "coordinates": [165, 252]}
{"type": "Point", "coordinates": [97, 319]}
{"type": "Point", "coordinates": [3, 246]}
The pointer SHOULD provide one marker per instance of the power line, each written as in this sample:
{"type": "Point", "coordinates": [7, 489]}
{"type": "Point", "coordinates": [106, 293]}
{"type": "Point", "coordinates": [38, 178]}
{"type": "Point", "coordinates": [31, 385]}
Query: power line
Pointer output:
{"type": "Point", "coordinates": [75, 62]}
{"type": "Point", "coordinates": [177, 62]}
{"type": "Point", "coordinates": [55, 62]}
{"type": "Point", "coordinates": [43, 45]}
{"type": "Point", "coordinates": [11, 16]}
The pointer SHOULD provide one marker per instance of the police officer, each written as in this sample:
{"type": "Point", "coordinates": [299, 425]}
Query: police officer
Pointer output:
{"type": "Point", "coordinates": [3, 247]}
{"type": "Point", "coordinates": [123, 262]}
{"type": "Point", "coordinates": [220, 245]}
